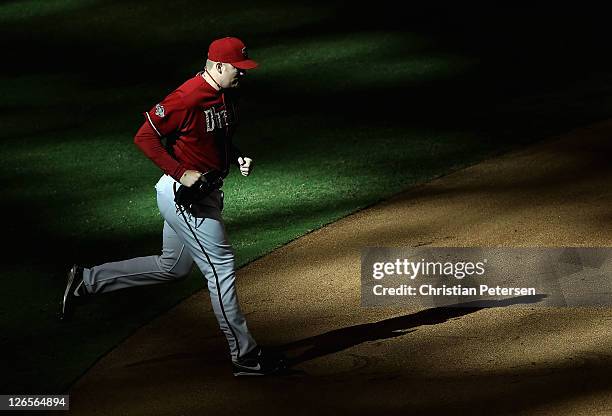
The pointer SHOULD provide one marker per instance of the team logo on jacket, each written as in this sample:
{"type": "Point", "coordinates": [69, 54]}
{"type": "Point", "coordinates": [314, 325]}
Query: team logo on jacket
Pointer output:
{"type": "Point", "coordinates": [159, 110]}
{"type": "Point", "coordinates": [217, 119]}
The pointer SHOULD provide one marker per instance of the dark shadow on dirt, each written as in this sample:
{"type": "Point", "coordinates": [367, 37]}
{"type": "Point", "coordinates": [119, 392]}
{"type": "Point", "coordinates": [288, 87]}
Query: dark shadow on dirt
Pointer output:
{"type": "Point", "coordinates": [341, 339]}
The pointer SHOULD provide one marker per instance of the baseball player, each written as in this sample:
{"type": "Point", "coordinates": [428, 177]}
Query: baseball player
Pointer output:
{"type": "Point", "coordinates": [189, 135]}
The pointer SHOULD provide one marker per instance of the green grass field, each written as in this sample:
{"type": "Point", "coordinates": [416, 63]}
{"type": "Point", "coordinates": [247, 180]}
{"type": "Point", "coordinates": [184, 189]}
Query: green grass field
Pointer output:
{"type": "Point", "coordinates": [348, 108]}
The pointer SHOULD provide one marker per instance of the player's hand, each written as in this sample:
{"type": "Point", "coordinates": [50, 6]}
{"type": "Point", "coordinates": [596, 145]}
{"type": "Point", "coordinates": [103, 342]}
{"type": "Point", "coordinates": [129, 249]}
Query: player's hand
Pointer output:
{"type": "Point", "coordinates": [246, 165]}
{"type": "Point", "coordinates": [190, 177]}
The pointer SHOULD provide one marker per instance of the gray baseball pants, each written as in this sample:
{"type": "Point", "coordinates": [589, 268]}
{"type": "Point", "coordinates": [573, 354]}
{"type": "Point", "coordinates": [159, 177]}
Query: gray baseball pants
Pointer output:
{"type": "Point", "coordinates": [180, 249]}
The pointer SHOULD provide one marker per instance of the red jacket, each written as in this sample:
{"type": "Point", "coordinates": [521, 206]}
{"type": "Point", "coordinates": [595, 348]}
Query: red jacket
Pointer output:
{"type": "Point", "coordinates": [197, 123]}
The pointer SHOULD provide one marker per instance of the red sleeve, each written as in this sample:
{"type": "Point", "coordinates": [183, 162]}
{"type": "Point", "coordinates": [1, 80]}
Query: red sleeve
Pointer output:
{"type": "Point", "coordinates": [167, 117]}
{"type": "Point", "coordinates": [148, 141]}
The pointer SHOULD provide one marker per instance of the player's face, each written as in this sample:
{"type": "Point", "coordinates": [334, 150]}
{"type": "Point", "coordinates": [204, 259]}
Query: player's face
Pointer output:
{"type": "Point", "coordinates": [231, 76]}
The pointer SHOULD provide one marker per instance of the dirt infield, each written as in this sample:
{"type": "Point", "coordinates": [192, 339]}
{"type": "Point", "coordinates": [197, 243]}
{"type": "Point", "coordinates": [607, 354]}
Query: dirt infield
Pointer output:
{"type": "Point", "coordinates": [353, 360]}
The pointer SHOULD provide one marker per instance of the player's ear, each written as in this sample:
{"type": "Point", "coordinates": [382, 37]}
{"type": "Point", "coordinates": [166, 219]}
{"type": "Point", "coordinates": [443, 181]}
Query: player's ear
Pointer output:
{"type": "Point", "coordinates": [219, 67]}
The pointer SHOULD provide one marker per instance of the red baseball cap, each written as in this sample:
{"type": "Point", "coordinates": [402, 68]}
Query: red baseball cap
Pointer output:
{"type": "Point", "coordinates": [230, 50]}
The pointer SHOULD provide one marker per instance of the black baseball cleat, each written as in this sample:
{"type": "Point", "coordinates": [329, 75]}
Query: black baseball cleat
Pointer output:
{"type": "Point", "coordinates": [259, 362]}
{"type": "Point", "coordinates": [75, 278]}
